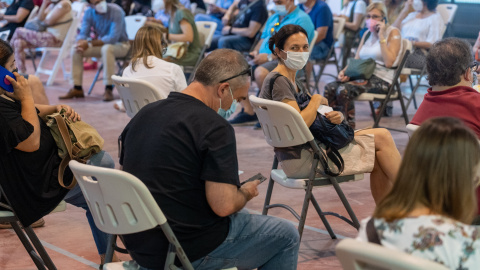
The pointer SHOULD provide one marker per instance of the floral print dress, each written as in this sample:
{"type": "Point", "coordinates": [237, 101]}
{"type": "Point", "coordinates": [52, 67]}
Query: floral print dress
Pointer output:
{"type": "Point", "coordinates": [433, 237]}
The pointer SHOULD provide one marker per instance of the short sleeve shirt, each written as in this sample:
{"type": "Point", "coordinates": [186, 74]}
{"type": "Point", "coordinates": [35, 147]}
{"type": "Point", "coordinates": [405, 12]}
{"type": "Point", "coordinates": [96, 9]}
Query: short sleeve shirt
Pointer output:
{"type": "Point", "coordinates": [195, 47]}
{"type": "Point", "coordinates": [29, 179]}
{"type": "Point", "coordinates": [321, 16]}
{"type": "Point", "coordinates": [360, 8]}
{"type": "Point", "coordinates": [174, 146]}
{"type": "Point", "coordinates": [282, 88]}
{"type": "Point", "coordinates": [257, 13]}
{"type": "Point", "coordinates": [274, 24]}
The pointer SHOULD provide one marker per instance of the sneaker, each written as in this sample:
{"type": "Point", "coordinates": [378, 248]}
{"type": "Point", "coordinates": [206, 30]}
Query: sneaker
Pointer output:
{"type": "Point", "coordinates": [36, 224]}
{"type": "Point", "coordinates": [257, 126]}
{"type": "Point", "coordinates": [244, 119]}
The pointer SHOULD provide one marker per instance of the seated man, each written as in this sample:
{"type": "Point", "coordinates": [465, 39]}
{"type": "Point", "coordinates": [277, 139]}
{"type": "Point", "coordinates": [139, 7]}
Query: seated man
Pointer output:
{"type": "Point", "coordinates": [188, 160]}
{"type": "Point", "coordinates": [322, 19]}
{"type": "Point", "coordinates": [450, 72]}
{"type": "Point", "coordinates": [242, 22]}
{"type": "Point", "coordinates": [15, 15]}
{"type": "Point", "coordinates": [215, 13]}
{"type": "Point", "coordinates": [285, 13]}
{"type": "Point", "coordinates": [108, 22]}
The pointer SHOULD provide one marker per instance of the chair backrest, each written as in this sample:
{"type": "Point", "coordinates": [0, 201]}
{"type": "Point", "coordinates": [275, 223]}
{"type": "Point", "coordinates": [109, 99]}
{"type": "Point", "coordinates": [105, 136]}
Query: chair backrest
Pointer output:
{"type": "Point", "coordinates": [120, 203]}
{"type": "Point", "coordinates": [338, 25]}
{"type": "Point", "coordinates": [135, 93]}
{"type": "Point", "coordinates": [133, 23]}
{"type": "Point", "coordinates": [447, 11]}
{"type": "Point", "coordinates": [282, 125]}
{"type": "Point", "coordinates": [411, 128]}
{"type": "Point", "coordinates": [357, 255]}
{"type": "Point", "coordinates": [312, 43]}
{"type": "Point", "coordinates": [4, 35]}
{"type": "Point", "coordinates": [206, 31]}
{"type": "Point", "coordinates": [78, 8]}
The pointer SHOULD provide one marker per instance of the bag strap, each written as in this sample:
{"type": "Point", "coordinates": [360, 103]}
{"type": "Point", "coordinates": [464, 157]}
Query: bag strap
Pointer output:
{"type": "Point", "coordinates": [352, 11]}
{"type": "Point", "coordinates": [62, 127]}
{"type": "Point", "coordinates": [60, 23]}
{"type": "Point", "coordinates": [372, 233]}
{"type": "Point", "coordinates": [272, 81]}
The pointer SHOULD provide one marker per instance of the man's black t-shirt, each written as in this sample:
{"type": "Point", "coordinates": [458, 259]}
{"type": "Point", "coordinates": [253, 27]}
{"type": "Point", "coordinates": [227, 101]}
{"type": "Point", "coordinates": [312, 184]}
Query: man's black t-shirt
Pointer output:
{"type": "Point", "coordinates": [29, 179]}
{"type": "Point", "coordinates": [174, 146]}
{"type": "Point", "coordinates": [256, 12]}
{"type": "Point", "coordinates": [12, 10]}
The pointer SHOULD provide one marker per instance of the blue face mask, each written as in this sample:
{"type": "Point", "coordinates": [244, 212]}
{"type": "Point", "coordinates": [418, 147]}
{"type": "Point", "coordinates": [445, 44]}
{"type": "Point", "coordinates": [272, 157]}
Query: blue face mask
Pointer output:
{"type": "Point", "coordinates": [226, 114]}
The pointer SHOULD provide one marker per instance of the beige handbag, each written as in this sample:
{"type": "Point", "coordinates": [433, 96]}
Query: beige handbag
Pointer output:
{"type": "Point", "coordinates": [75, 140]}
{"type": "Point", "coordinates": [177, 50]}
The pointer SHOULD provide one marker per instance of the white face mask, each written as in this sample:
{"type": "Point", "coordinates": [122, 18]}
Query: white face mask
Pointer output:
{"type": "Point", "coordinates": [101, 7]}
{"type": "Point", "coordinates": [281, 10]}
{"type": "Point", "coordinates": [417, 5]}
{"type": "Point", "coordinates": [158, 5]}
{"type": "Point", "coordinates": [296, 60]}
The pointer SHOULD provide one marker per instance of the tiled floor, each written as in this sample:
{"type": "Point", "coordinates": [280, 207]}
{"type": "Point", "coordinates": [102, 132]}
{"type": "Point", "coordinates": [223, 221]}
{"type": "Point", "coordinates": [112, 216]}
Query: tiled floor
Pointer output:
{"type": "Point", "coordinates": [67, 237]}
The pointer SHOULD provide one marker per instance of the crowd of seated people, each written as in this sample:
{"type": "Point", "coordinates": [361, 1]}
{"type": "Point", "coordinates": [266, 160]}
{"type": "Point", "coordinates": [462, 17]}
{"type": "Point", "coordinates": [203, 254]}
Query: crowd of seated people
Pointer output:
{"type": "Point", "coordinates": [211, 180]}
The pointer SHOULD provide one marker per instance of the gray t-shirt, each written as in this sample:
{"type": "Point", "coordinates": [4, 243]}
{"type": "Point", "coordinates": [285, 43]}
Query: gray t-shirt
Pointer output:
{"type": "Point", "coordinates": [282, 88]}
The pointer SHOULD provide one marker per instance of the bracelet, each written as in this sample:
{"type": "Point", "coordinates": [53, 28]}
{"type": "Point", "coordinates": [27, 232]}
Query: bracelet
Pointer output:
{"type": "Point", "coordinates": [382, 41]}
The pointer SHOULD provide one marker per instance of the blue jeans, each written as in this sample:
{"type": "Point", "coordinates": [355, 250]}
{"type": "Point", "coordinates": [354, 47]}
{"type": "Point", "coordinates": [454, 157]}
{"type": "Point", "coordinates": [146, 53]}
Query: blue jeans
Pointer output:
{"type": "Point", "coordinates": [75, 197]}
{"type": "Point", "coordinates": [254, 241]}
{"type": "Point", "coordinates": [319, 51]}
{"type": "Point", "coordinates": [233, 42]}
{"type": "Point", "coordinates": [210, 18]}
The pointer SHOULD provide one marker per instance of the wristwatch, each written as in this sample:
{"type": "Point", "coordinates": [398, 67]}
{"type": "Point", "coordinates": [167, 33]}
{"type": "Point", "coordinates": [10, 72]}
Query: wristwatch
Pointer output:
{"type": "Point", "coordinates": [269, 58]}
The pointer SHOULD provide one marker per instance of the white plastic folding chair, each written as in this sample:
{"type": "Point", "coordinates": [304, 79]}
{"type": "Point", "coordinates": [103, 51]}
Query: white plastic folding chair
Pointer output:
{"type": "Point", "coordinates": [338, 25]}
{"type": "Point", "coordinates": [132, 23]}
{"type": "Point", "coordinates": [357, 255]}
{"type": "Point", "coordinates": [447, 11]}
{"type": "Point", "coordinates": [62, 52]}
{"type": "Point", "coordinates": [394, 91]}
{"type": "Point", "coordinates": [27, 236]}
{"type": "Point", "coordinates": [205, 33]}
{"type": "Point", "coordinates": [135, 93]}
{"type": "Point", "coordinates": [121, 204]}
{"type": "Point", "coordinates": [283, 126]}
{"type": "Point", "coordinates": [411, 128]}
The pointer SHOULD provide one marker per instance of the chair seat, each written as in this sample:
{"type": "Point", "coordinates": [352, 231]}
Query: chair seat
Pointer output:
{"type": "Point", "coordinates": [372, 97]}
{"type": "Point", "coordinates": [280, 177]}
{"type": "Point", "coordinates": [411, 71]}
{"type": "Point", "coordinates": [6, 214]}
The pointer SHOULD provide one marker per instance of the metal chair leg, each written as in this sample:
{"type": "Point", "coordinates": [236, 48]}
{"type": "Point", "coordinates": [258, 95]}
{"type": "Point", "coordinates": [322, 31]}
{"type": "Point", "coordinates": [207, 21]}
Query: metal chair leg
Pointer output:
{"type": "Point", "coordinates": [308, 196]}
{"type": "Point", "coordinates": [95, 79]}
{"type": "Point", "coordinates": [323, 218]}
{"type": "Point", "coordinates": [345, 202]}
{"type": "Point", "coordinates": [40, 249]}
{"type": "Point", "coordinates": [268, 196]}
{"type": "Point", "coordinates": [112, 240]}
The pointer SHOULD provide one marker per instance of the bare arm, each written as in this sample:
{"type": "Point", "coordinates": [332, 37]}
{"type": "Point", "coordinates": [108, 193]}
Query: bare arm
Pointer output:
{"type": "Point", "coordinates": [230, 12]}
{"type": "Point", "coordinates": [422, 44]}
{"type": "Point", "coordinates": [355, 25]}
{"type": "Point", "coordinates": [57, 13]}
{"type": "Point", "coordinates": [322, 33]}
{"type": "Point", "coordinates": [249, 31]}
{"type": "Point", "coordinates": [403, 14]}
{"type": "Point", "coordinates": [43, 11]}
{"type": "Point", "coordinates": [477, 43]}
{"type": "Point", "coordinates": [187, 33]}
{"type": "Point", "coordinates": [226, 199]}
{"type": "Point", "coordinates": [22, 13]}
{"type": "Point", "coordinates": [391, 48]}
{"type": "Point", "coordinates": [23, 93]}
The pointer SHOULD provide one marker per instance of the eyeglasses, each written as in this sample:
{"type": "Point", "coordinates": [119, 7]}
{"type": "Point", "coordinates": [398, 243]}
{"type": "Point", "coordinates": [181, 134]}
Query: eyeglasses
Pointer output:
{"type": "Point", "coordinates": [375, 17]}
{"type": "Point", "coordinates": [247, 71]}
{"type": "Point", "coordinates": [474, 67]}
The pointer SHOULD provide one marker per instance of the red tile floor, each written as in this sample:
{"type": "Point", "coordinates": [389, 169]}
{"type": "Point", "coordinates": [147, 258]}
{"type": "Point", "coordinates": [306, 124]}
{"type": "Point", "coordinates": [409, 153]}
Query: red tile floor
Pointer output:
{"type": "Point", "coordinates": [67, 237]}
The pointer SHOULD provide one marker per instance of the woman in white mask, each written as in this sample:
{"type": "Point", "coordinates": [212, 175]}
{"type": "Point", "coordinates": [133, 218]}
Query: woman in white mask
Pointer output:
{"type": "Point", "coordinates": [423, 27]}
{"type": "Point", "coordinates": [55, 17]}
{"type": "Point", "coordinates": [372, 150]}
{"type": "Point", "coordinates": [381, 43]}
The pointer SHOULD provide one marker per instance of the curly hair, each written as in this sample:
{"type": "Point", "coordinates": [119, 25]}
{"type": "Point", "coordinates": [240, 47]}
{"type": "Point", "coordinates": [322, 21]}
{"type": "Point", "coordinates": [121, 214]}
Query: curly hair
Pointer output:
{"type": "Point", "coordinates": [447, 60]}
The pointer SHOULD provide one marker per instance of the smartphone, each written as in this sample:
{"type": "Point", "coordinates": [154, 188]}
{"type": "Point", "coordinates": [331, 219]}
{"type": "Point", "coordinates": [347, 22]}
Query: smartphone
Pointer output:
{"type": "Point", "coordinates": [4, 83]}
{"type": "Point", "coordinates": [257, 176]}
